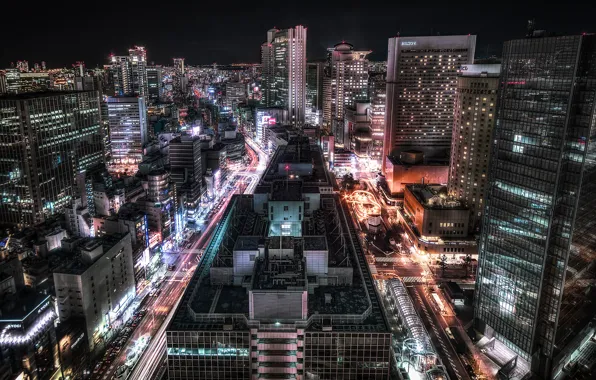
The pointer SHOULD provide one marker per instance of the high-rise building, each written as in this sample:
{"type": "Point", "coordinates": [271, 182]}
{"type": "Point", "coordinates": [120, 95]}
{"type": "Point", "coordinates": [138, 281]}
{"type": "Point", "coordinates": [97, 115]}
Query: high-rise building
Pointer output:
{"type": "Point", "coordinates": [314, 92]}
{"type": "Point", "coordinates": [283, 59]}
{"type": "Point", "coordinates": [474, 119]}
{"type": "Point", "coordinates": [130, 73]}
{"type": "Point", "coordinates": [40, 155]}
{"type": "Point", "coordinates": [421, 84]}
{"type": "Point", "coordinates": [235, 94]}
{"type": "Point", "coordinates": [283, 289]}
{"type": "Point", "coordinates": [347, 84]}
{"type": "Point", "coordinates": [186, 171]}
{"type": "Point", "coordinates": [158, 204]}
{"type": "Point", "coordinates": [154, 83]}
{"type": "Point", "coordinates": [127, 118]}
{"type": "Point", "coordinates": [377, 92]}
{"type": "Point", "coordinates": [179, 80]}
{"type": "Point", "coordinates": [537, 248]}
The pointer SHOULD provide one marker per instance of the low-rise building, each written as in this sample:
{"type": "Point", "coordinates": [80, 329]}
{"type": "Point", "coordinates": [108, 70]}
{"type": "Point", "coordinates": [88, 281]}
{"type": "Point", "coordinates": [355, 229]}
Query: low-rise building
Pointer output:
{"type": "Point", "coordinates": [27, 335]}
{"type": "Point", "coordinates": [436, 223]}
{"type": "Point", "coordinates": [96, 283]}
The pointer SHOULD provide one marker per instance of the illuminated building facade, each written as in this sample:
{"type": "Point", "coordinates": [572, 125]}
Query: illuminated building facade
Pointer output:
{"type": "Point", "coordinates": [474, 120]}
{"type": "Point", "coordinates": [127, 118]}
{"type": "Point", "coordinates": [421, 86]}
{"type": "Point", "coordinates": [158, 204]}
{"type": "Point", "coordinates": [377, 90]}
{"type": "Point", "coordinates": [130, 73]}
{"type": "Point", "coordinates": [283, 59]}
{"type": "Point", "coordinates": [314, 92]}
{"type": "Point", "coordinates": [47, 138]}
{"type": "Point", "coordinates": [283, 290]}
{"type": "Point", "coordinates": [537, 247]}
{"type": "Point", "coordinates": [27, 336]}
{"type": "Point", "coordinates": [96, 283]}
{"type": "Point", "coordinates": [235, 94]}
{"type": "Point", "coordinates": [439, 224]}
{"type": "Point", "coordinates": [154, 83]}
{"type": "Point", "coordinates": [186, 171]}
{"type": "Point", "coordinates": [347, 84]}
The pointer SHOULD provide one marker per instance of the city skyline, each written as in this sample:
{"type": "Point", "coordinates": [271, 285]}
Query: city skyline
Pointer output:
{"type": "Point", "coordinates": [206, 41]}
{"type": "Point", "coordinates": [353, 193]}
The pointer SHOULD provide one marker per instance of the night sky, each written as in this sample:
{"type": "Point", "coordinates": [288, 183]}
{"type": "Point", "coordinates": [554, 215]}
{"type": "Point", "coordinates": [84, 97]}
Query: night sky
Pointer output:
{"type": "Point", "coordinates": [218, 31]}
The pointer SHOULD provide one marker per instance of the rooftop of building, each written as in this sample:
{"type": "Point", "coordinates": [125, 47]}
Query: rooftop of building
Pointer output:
{"type": "Point", "coordinates": [426, 161]}
{"type": "Point", "coordinates": [16, 307]}
{"type": "Point", "coordinates": [73, 261]}
{"type": "Point", "coordinates": [287, 190]}
{"type": "Point", "coordinates": [206, 306]}
{"type": "Point", "coordinates": [40, 94]}
{"type": "Point", "coordinates": [315, 243]}
{"type": "Point", "coordinates": [298, 150]}
{"type": "Point", "coordinates": [434, 197]}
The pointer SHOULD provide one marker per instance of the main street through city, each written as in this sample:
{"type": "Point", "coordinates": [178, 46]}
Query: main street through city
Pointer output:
{"type": "Point", "coordinates": [161, 308]}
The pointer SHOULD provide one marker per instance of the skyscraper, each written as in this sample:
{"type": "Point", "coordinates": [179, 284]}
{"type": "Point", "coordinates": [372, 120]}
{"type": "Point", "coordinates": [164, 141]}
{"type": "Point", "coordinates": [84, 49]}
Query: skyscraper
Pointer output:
{"type": "Point", "coordinates": [347, 84]}
{"type": "Point", "coordinates": [377, 88]}
{"type": "Point", "coordinates": [154, 83]}
{"type": "Point", "coordinates": [314, 92]}
{"type": "Point", "coordinates": [127, 118]}
{"type": "Point", "coordinates": [538, 244]}
{"type": "Point", "coordinates": [421, 82]}
{"type": "Point", "coordinates": [130, 72]}
{"type": "Point", "coordinates": [47, 139]}
{"type": "Point", "coordinates": [179, 82]}
{"type": "Point", "coordinates": [186, 170]}
{"type": "Point", "coordinates": [475, 115]}
{"type": "Point", "coordinates": [283, 58]}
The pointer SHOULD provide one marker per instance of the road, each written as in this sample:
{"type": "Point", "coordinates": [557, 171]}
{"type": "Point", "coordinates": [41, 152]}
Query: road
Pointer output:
{"type": "Point", "coordinates": [435, 324]}
{"type": "Point", "coordinates": [154, 355]}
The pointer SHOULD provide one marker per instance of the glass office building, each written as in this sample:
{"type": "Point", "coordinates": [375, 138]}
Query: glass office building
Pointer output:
{"type": "Point", "coordinates": [538, 244]}
{"type": "Point", "coordinates": [46, 139]}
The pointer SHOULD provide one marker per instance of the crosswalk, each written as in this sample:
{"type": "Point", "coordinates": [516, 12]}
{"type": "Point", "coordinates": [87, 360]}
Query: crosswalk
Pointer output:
{"type": "Point", "coordinates": [414, 280]}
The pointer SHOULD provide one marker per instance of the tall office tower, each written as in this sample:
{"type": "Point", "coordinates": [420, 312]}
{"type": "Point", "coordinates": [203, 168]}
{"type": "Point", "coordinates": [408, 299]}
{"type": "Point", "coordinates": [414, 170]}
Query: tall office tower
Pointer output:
{"type": "Point", "coordinates": [421, 82]}
{"type": "Point", "coordinates": [474, 120]}
{"type": "Point", "coordinates": [283, 58]}
{"type": "Point", "coordinates": [283, 290]}
{"type": "Point", "coordinates": [537, 249]}
{"type": "Point", "coordinates": [348, 74]}
{"type": "Point", "coordinates": [179, 80]}
{"type": "Point", "coordinates": [46, 139]}
{"type": "Point", "coordinates": [127, 119]}
{"type": "Point", "coordinates": [314, 92]}
{"type": "Point", "coordinates": [377, 88]}
{"type": "Point", "coordinates": [186, 171]}
{"type": "Point", "coordinates": [130, 72]}
{"type": "Point", "coordinates": [154, 83]}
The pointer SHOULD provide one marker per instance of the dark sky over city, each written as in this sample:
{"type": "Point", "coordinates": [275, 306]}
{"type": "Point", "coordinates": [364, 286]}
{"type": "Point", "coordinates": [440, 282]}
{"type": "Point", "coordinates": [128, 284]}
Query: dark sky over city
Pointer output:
{"type": "Point", "coordinates": [225, 32]}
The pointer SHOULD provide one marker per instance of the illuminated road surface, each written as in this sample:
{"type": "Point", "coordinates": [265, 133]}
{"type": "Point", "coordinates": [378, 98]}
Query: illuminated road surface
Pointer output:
{"type": "Point", "coordinates": [160, 310]}
{"type": "Point", "coordinates": [154, 355]}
